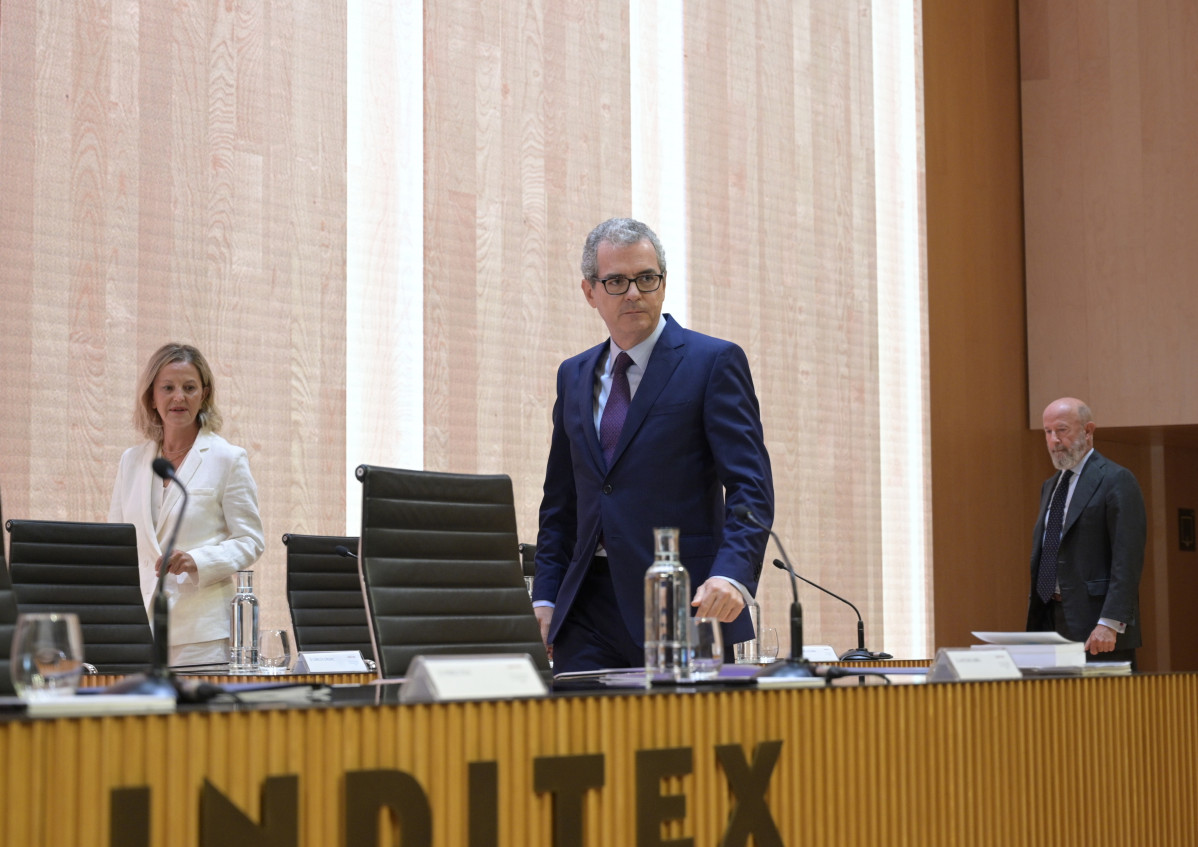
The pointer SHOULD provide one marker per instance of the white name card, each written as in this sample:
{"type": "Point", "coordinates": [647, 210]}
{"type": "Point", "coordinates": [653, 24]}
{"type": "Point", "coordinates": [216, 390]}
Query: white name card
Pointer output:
{"type": "Point", "coordinates": [330, 661]}
{"type": "Point", "coordinates": [437, 679]}
{"type": "Point", "coordinates": [819, 653]}
{"type": "Point", "coordinates": [964, 665]}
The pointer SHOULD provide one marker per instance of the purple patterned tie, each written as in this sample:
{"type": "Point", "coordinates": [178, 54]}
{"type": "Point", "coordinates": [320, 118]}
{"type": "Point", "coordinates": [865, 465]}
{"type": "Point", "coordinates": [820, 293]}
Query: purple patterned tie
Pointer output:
{"type": "Point", "coordinates": [616, 408]}
{"type": "Point", "coordinates": [1046, 582]}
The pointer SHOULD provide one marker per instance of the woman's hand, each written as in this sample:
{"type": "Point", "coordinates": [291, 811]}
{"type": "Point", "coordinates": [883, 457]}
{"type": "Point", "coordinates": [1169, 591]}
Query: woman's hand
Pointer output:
{"type": "Point", "coordinates": [180, 563]}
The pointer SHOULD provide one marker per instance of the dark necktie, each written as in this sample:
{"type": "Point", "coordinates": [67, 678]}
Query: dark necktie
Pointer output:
{"type": "Point", "coordinates": [616, 408]}
{"type": "Point", "coordinates": [1046, 582]}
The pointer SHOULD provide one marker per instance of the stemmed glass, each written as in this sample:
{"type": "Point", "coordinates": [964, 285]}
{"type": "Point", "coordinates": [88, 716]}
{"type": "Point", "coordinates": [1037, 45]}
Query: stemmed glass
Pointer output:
{"type": "Point", "coordinates": [47, 655]}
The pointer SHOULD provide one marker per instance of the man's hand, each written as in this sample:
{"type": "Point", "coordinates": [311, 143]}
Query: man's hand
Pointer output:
{"type": "Point", "coordinates": [1101, 640]}
{"type": "Point", "coordinates": [718, 598]}
{"type": "Point", "coordinates": [544, 616]}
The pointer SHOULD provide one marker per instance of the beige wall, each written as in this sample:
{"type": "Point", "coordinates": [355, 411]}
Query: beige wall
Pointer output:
{"type": "Point", "coordinates": [1111, 182]}
{"type": "Point", "coordinates": [173, 172]}
{"type": "Point", "coordinates": [988, 457]}
{"type": "Point", "coordinates": [985, 476]}
{"type": "Point", "coordinates": [1181, 492]}
{"type": "Point", "coordinates": [1109, 120]}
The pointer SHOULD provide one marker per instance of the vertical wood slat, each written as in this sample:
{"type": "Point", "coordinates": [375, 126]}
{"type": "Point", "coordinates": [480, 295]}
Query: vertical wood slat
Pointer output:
{"type": "Point", "coordinates": [937, 764]}
{"type": "Point", "coordinates": [1111, 195]}
{"type": "Point", "coordinates": [163, 180]}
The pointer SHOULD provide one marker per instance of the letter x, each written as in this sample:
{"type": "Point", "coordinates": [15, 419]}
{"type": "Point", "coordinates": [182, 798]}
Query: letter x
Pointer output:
{"type": "Point", "coordinates": [750, 814]}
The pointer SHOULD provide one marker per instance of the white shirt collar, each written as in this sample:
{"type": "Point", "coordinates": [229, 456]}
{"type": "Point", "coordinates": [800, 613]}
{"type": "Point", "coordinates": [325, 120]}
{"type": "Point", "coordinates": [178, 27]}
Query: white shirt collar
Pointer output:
{"type": "Point", "coordinates": [640, 353]}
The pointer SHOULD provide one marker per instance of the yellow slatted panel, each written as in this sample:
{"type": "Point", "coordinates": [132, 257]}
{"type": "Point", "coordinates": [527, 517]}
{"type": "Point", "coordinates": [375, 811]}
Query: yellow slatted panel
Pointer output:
{"type": "Point", "coordinates": [103, 680]}
{"type": "Point", "coordinates": [978, 764]}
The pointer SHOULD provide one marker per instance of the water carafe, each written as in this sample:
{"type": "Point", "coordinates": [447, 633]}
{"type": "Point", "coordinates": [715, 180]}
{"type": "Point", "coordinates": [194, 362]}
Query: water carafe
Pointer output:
{"type": "Point", "coordinates": [243, 632]}
{"type": "Point", "coordinates": [667, 610]}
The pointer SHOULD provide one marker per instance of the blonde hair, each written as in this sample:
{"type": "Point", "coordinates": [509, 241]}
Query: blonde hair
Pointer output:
{"type": "Point", "coordinates": [146, 419]}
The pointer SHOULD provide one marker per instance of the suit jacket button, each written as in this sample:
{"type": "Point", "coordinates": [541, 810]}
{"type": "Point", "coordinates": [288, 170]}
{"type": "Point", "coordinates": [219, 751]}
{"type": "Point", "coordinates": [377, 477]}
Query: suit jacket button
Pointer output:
{"type": "Point", "coordinates": [607, 489]}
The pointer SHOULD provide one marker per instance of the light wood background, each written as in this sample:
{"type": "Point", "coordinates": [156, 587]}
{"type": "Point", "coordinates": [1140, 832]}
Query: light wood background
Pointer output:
{"type": "Point", "coordinates": [1110, 118]}
{"type": "Point", "coordinates": [987, 462]}
{"type": "Point", "coordinates": [186, 172]}
{"type": "Point", "coordinates": [173, 172]}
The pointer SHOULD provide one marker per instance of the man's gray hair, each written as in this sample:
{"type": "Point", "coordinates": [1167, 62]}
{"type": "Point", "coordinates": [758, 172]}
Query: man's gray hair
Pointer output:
{"type": "Point", "coordinates": [619, 232]}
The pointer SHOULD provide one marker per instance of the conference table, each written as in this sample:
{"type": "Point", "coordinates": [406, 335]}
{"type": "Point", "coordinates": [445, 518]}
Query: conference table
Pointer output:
{"type": "Point", "coordinates": [1058, 761]}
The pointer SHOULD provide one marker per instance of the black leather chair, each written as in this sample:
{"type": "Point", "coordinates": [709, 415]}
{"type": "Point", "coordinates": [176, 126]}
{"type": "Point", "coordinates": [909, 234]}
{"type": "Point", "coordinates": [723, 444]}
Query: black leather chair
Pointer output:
{"type": "Point", "coordinates": [324, 590]}
{"type": "Point", "coordinates": [440, 565]}
{"type": "Point", "coordinates": [90, 569]}
{"type": "Point", "coordinates": [8, 619]}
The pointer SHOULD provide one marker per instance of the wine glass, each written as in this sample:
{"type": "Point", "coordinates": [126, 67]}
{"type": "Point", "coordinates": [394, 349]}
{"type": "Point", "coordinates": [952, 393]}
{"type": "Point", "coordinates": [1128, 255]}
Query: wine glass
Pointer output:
{"type": "Point", "coordinates": [47, 655]}
{"type": "Point", "coordinates": [707, 647]}
{"type": "Point", "coordinates": [274, 651]}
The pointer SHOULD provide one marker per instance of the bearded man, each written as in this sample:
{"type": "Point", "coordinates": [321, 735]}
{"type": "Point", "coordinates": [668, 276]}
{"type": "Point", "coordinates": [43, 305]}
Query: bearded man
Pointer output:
{"type": "Point", "coordinates": [1088, 544]}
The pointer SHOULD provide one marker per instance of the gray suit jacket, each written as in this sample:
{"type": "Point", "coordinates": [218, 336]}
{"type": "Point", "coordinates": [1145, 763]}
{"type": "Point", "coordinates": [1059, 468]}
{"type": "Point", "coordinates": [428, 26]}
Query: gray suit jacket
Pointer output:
{"type": "Point", "coordinates": [1101, 555]}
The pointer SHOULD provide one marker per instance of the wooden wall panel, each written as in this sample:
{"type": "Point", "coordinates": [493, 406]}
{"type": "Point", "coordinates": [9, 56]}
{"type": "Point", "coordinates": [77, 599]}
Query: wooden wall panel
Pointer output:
{"type": "Point", "coordinates": [1111, 181]}
{"type": "Point", "coordinates": [526, 139]}
{"type": "Point", "coordinates": [174, 173]}
{"type": "Point", "coordinates": [783, 261]}
{"type": "Point", "coordinates": [1137, 456]}
{"type": "Point", "coordinates": [986, 466]}
{"type": "Point", "coordinates": [17, 128]}
{"type": "Point", "coordinates": [1182, 587]}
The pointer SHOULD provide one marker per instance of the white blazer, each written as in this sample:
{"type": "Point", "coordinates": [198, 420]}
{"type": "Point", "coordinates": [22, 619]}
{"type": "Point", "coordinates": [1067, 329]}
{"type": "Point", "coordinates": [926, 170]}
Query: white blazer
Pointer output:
{"type": "Point", "coordinates": [221, 530]}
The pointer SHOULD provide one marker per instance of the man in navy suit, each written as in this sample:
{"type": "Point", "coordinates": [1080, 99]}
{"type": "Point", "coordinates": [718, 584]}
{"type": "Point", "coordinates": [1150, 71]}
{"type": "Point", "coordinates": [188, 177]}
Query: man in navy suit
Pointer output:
{"type": "Point", "coordinates": [1086, 579]}
{"type": "Point", "coordinates": [690, 449]}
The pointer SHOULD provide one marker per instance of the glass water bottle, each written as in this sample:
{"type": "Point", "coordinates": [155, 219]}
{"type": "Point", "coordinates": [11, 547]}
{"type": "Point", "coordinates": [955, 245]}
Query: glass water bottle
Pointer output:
{"type": "Point", "coordinates": [667, 610]}
{"type": "Point", "coordinates": [243, 633]}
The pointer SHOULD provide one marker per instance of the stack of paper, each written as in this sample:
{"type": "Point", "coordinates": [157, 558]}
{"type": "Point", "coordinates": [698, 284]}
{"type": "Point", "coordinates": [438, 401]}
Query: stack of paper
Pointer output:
{"type": "Point", "coordinates": [89, 705]}
{"type": "Point", "coordinates": [1036, 650]}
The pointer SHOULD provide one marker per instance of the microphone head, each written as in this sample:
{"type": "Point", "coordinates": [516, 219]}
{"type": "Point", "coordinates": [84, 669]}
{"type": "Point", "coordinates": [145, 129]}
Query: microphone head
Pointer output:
{"type": "Point", "coordinates": [342, 551]}
{"type": "Point", "coordinates": [742, 511]}
{"type": "Point", "coordinates": [780, 565]}
{"type": "Point", "coordinates": [163, 468]}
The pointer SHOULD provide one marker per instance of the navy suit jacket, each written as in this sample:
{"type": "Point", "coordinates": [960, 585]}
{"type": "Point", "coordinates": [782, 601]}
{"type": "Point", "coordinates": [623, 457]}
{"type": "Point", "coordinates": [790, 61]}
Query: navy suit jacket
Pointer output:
{"type": "Point", "coordinates": [692, 435]}
{"type": "Point", "coordinates": [1101, 555]}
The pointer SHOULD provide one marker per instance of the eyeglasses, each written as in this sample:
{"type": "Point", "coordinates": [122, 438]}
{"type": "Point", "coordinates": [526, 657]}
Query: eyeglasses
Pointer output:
{"type": "Point", "coordinates": [619, 284]}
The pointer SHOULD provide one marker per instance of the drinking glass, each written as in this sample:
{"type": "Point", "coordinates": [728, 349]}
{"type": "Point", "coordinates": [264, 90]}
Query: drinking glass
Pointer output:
{"type": "Point", "coordinates": [47, 655]}
{"type": "Point", "coordinates": [707, 647]}
{"type": "Point", "coordinates": [767, 646]}
{"type": "Point", "coordinates": [274, 651]}
{"type": "Point", "coordinates": [745, 652]}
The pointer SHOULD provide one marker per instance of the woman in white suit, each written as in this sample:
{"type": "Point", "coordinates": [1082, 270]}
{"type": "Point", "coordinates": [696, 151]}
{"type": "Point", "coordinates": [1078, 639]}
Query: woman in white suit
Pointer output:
{"type": "Point", "coordinates": [221, 532]}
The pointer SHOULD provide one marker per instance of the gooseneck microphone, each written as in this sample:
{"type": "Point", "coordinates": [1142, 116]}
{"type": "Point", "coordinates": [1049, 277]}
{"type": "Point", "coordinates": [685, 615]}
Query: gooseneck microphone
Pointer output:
{"type": "Point", "coordinates": [344, 552]}
{"type": "Point", "coordinates": [160, 680]}
{"type": "Point", "coordinates": [796, 665]}
{"type": "Point", "coordinates": [857, 654]}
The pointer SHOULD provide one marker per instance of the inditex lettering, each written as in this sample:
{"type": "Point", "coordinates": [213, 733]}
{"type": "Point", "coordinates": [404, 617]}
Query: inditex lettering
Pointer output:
{"type": "Point", "coordinates": [564, 780]}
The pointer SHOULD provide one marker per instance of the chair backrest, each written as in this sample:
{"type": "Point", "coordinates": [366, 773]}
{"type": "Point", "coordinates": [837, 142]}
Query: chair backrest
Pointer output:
{"type": "Point", "coordinates": [440, 566]}
{"type": "Point", "coordinates": [90, 569]}
{"type": "Point", "coordinates": [328, 611]}
{"type": "Point", "coordinates": [8, 619]}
